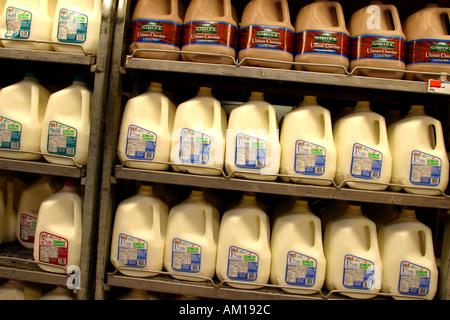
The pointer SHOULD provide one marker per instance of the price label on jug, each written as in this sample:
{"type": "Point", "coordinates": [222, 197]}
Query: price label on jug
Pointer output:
{"type": "Point", "coordinates": [72, 26]}
{"type": "Point", "coordinates": [250, 152]}
{"type": "Point", "coordinates": [186, 256]}
{"type": "Point", "coordinates": [194, 147]}
{"type": "Point", "coordinates": [300, 269]}
{"type": "Point", "coordinates": [53, 249]}
{"type": "Point", "coordinates": [358, 273]}
{"type": "Point", "coordinates": [27, 228]}
{"type": "Point", "coordinates": [62, 139]}
{"type": "Point", "coordinates": [132, 252]}
{"type": "Point", "coordinates": [242, 264]}
{"type": "Point", "coordinates": [18, 23]}
{"type": "Point", "coordinates": [309, 158]}
{"type": "Point", "coordinates": [414, 279]}
{"type": "Point", "coordinates": [141, 143]}
{"type": "Point", "coordinates": [425, 169]}
{"type": "Point", "coordinates": [10, 134]}
{"type": "Point", "coordinates": [366, 162]}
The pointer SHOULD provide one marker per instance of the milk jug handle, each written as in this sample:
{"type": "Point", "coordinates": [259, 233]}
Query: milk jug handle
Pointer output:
{"type": "Point", "coordinates": [272, 118]}
{"type": "Point", "coordinates": [207, 212]}
{"type": "Point", "coordinates": [164, 120]}
{"type": "Point", "coordinates": [285, 11]}
{"type": "Point", "coordinates": [339, 14]}
{"type": "Point", "coordinates": [35, 101]}
{"type": "Point", "coordinates": [395, 18]}
{"type": "Point", "coordinates": [227, 8]}
{"type": "Point", "coordinates": [85, 101]}
{"type": "Point", "coordinates": [262, 226]}
{"type": "Point", "coordinates": [440, 143]}
{"type": "Point", "coordinates": [217, 114]}
{"type": "Point", "coordinates": [156, 207]}
{"type": "Point", "coordinates": [173, 6]}
{"type": "Point", "coordinates": [382, 132]}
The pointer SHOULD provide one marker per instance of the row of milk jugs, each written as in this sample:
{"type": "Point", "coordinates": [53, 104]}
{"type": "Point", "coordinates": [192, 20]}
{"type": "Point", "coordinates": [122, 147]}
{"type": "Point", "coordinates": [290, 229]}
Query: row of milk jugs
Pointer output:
{"type": "Point", "coordinates": [44, 216]}
{"type": "Point", "coordinates": [35, 122]}
{"type": "Point", "coordinates": [60, 25]}
{"type": "Point", "coordinates": [375, 37]}
{"type": "Point", "coordinates": [359, 151]}
{"type": "Point", "coordinates": [243, 248]}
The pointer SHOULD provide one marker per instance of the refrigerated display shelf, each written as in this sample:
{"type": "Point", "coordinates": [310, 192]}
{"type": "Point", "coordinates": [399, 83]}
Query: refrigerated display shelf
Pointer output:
{"type": "Point", "coordinates": [42, 167]}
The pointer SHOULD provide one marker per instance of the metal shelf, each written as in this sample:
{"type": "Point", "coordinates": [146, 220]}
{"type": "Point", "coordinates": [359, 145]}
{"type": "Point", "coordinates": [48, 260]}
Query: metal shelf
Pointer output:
{"type": "Point", "coordinates": [41, 167]}
{"type": "Point", "coordinates": [47, 56]}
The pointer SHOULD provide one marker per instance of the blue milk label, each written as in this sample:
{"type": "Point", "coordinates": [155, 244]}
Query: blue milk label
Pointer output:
{"type": "Point", "coordinates": [62, 139]}
{"type": "Point", "coordinates": [366, 162]}
{"type": "Point", "coordinates": [18, 23]}
{"type": "Point", "coordinates": [186, 256]}
{"type": "Point", "coordinates": [141, 143]}
{"type": "Point", "coordinates": [250, 152]}
{"type": "Point", "coordinates": [72, 26]}
{"type": "Point", "coordinates": [425, 169]}
{"type": "Point", "coordinates": [309, 158]}
{"type": "Point", "coordinates": [195, 147]}
{"type": "Point", "coordinates": [301, 270]}
{"type": "Point", "coordinates": [132, 252]}
{"type": "Point", "coordinates": [414, 280]}
{"type": "Point", "coordinates": [242, 264]}
{"type": "Point", "coordinates": [10, 134]}
{"type": "Point", "coordinates": [359, 273]}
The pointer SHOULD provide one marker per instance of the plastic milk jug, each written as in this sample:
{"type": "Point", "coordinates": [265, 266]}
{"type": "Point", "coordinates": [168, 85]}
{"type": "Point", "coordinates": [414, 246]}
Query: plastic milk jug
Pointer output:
{"type": "Point", "coordinates": [22, 109]}
{"type": "Point", "coordinates": [198, 137]}
{"type": "Point", "coordinates": [307, 144]}
{"type": "Point", "coordinates": [353, 258]}
{"type": "Point", "coordinates": [419, 158]}
{"type": "Point", "coordinates": [322, 38]}
{"type": "Point", "coordinates": [407, 252]}
{"type": "Point", "coordinates": [65, 131]}
{"type": "Point", "coordinates": [138, 236]}
{"type": "Point", "coordinates": [363, 152]}
{"type": "Point", "coordinates": [2, 217]}
{"type": "Point", "coordinates": [59, 230]}
{"type": "Point", "coordinates": [77, 23]}
{"type": "Point", "coordinates": [157, 25]}
{"type": "Point", "coordinates": [12, 187]}
{"type": "Point", "coordinates": [298, 260]}
{"type": "Point", "coordinates": [267, 33]}
{"type": "Point", "coordinates": [210, 26]}
{"type": "Point", "coordinates": [427, 42]}
{"type": "Point", "coordinates": [253, 144]}
{"type": "Point", "coordinates": [191, 239]}
{"type": "Point", "coordinates": [146, 130]}
{"type": "Point", "coordinates": [27, 212]}
{"type": "Point", "coordinates": [243, 252]}
{"type": "Point", "coordinates": [27, 20]}
{"type": "Point", "coordinates": [19, 290]}
{"type": "Point", "coordinates": [377, 41]}
{"type": "Point", "coordinates": [59, 293]}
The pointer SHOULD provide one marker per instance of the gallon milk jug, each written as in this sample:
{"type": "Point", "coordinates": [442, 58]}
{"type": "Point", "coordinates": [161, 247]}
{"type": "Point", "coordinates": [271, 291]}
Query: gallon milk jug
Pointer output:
{"type": "Point", "coordinates": [253, 143]}
{"type": "Point", "coordinates": [243, 251]}
{"type": "Point", "coordinates": [191, 239]}
{"type": "Point", "coordinates": [427, 42]}
{"type": "Point", "coordinates": [29, 203]}
{"type": "Point", "coordinates": [12, 188]}
{"type": "Point", "coordinates": [307, 144]}
{"type": "Point", "coordinates": [19, 290]}
{"type": "Point", "coordinates": [65, 131]}
{"type": "Point", "coordinates": [407, 252]}
{"type": "Point", "coordinates": [27, 20]}
{"type": "Point", "coordinates": [22, 109]}
{"type": "Point", "coordinates": [146, 130]}
{"type": "Point", "coordinates": [267, 34]}
{"type": "Point", "coordinates": [198, 137]}
{"type": "Point", "coordinates": [138, 236]}
{"type": "Point", "coordinates": [77, 23]}
{"type": "Point", "coordinates": [377, 41]}
{"type": "Point", "coordinates": [419, 158]}
{"type": "Point", "coordinates": [353, 258]}
{"type": "Point", "coordinates": [210, 26]}
{"type": "Point", "coordinates": [298, 260]}
{"type": "Point", "coordinates": [363, 152]}
{"type": "Point", "coordinates": [59, 230]}
{"type": "Point", "coordinates": [322, 38]}
{"type": "Point", "coordinates": [59, 293]}
{"type": "Point", "coordinates": [157, 25]}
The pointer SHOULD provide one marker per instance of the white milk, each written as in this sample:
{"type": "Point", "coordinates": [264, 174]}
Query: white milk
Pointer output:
{"type": "Point", "coordinates": [59, 230]}
{"type": "Point", "coordinates": [139, 234]}
{"type": "Point", "coordinates": [11, 187]}
{"type": "Point", "coordinates": [407, 252]}
{"type": "Point", "coordinates": [198, 136]}
{"type": "Point", "coordinates": [298, 260]}
{"type": "Point", "coordinates": [65, 131]}
{"type": "Point", "coordinates": [363, 152]}
{"type": "Point", "coordinates": [77, 23]}
{"type": "Point", "coordinates": [27, 20]}
{"type": "Point", "coordinates": [419, 157]}
{"type": "Point", "coordinates": [191, 239]}
{"type": "Point", "coordinates": [307, 144]}
{"type": "Point", "coordinates": [252, 140]}
{"type": "Point", "coordinates": [22, 109]}
{"type": "Point", "coordinates": [29, 204]}
{"type": "Point", "coordinates": [146, 130]}
{"type": "Point", "coordinates": [19, 290]}
{"type": "Point", "coordinates": [353, 259]}
{"type": "Point", "coordinates": [59, 293]}
{"type": "Point", "coordinates": [243, 251]}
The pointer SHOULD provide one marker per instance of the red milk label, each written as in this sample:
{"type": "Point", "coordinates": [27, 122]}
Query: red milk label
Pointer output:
{"type": "Point", "coordinates": [379, 47]}
{"type": "Point", "coordinates": [326, 42]}
{"type": "Point", "coordinates": [155, 31]}
{"type": "Point", "coordinates": [209, 32]}
{"type": "Point", "coordinates": [53, 249]}
{"type": "Point", "coordinates": [428, 51]}
{"type": "Point", "coordinates": [265, 37]}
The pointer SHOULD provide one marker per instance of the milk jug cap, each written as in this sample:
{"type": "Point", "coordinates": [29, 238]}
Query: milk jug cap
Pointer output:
{"type": "Point", "coordinates": [301, 202]}
{"type": "Point", "coordinates": [354, 207]}
{"type": "Point", "coordinates": [363, 105]}
{"type": "Point", "coordinates": [204, 91]}
{"type": "Point", "coordinates": [311, 98]}
{"type": "Point", "coordinates": [417, 108]}
{"type": "Point", "coordinates": [197, 193]}
{"type": "Point", "coordinates": [145, 187]}
{"type": "Point", "coordinates": [30, 76]}
{"type": "Point", "coordinates": [248, 196]}
{"type": "Point", "coordinates": [69, 184]}
{"type": "Point", "coordinates": [155, 86]}
{"type": "Point", "coordinates": [256, 95]}
{"type": "Point", "coordinates": [408, 212]}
